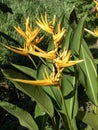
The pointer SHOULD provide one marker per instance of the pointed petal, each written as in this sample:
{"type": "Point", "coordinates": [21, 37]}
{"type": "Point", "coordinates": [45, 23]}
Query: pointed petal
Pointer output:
{"type": "Point", "coordinates": [71, 63]}
{"type": "Point", "coordinates": [19, 30]}
{"type": "Point", "coordinates": [45, 82]}
{"type": "Point", "coordinates": [17, 50]}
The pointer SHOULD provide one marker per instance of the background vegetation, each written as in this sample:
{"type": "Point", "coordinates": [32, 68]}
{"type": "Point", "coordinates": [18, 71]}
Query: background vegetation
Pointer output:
{"type": "Point", "coordinates": [14, 13]}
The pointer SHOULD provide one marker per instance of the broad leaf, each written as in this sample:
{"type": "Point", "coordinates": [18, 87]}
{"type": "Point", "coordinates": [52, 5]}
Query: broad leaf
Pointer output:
{"type": "Point", "coordinates": [89, 119]}
{"type": "Point", "coordinates": [36, 93]}
{"type": "Point", "coordinates": [88, 75]}
{"type": "Point", "coordinates": [24, 117]}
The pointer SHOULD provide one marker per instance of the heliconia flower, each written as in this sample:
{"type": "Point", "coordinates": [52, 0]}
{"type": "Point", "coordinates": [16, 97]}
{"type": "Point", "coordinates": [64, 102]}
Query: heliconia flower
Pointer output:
{"type": "Point", "coordinates": [45, 25]}
{"type": "Point", "coordinates": [64, 60]}
{"type": "Point", "coordinates": [59, 35]}
{"type": "Point", "coordinates": [47, 81]}
{"type": "Point", "coordinates": [94, 33]}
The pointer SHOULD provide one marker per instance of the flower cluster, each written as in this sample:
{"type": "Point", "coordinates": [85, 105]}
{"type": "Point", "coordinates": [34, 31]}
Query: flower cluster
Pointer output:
{"type": "Point", "coordinates": [59, 59]}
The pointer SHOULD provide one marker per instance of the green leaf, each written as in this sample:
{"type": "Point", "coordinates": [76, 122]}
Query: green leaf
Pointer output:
{"type": "Point", "coordinates": [89, 119]}
{"type": "Point", "coordinates": [66, 42]}
{"type": "Point", "coordinates": [88, 75]}
{"type": "Point", "coordinates": [76, 40]}
{"type": "Point", "coordinates": [34, 92]}
{"type": "Point", "coordinates": [41, 117]}
{"type": "Point", "coordinates": [24, 117]}
{"type": "Point", "coordinates": [26, 70]}
{"type": "Point", "coordinates": [70, 94]}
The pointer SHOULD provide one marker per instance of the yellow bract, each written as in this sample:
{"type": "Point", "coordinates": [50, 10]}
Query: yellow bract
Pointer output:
{"type": "Point", "coordinates": [57, 37]}
{"type": "Point", "coordinates": [49, 27]}
{"type": "Point", "coordinates": [96, 32]}
{"type": "Point", "coordinates": [45, 25]}
{"type": "Point", "coordinates": [64, 60]}
{"type": "Point", "coordinates": [31, 40]}
{"type": "Point", "coordinates": [96, 2]}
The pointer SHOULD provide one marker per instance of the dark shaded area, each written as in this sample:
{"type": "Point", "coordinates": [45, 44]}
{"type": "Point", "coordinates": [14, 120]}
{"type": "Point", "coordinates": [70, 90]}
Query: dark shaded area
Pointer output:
{"type": "Point", "coordinates": [73, 17]}
{"type": "Point", "coordinates": [94, 52]}
{"type": "Point", "coordinates": [8, 121]}
{"type": "Point", "coordinates": [8, 38]}
{"type": "Point", "coordinates": [5, 9]}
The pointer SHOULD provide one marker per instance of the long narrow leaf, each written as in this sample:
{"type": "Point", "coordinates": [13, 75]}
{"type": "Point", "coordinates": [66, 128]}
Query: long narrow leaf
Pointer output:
{"type": "Point", "coordinates": [88, 75]}
{"type": "Point", "coordinates": [24, 117]}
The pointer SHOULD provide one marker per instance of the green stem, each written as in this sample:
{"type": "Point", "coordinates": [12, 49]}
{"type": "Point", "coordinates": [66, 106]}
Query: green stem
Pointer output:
{"type": "Point", "coordinates": [32, 61]}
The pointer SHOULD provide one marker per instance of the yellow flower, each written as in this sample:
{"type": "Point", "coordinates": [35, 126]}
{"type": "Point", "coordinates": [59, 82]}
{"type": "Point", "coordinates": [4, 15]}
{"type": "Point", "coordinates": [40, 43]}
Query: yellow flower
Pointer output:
{"type": "Point", "coordinates": [47, 81]}
{"type": "Point", "coordinates": [45, 25]}
{"type": "Point", "coordinates": [29, 34]}
{"type": "Point", "coordinates": [58, 36]}
{"type": "Point", "coordinates": [96, 2]}
{"type": "Point", "coordinates": [31, 40]}
{"type": "Point", "coordinates": [64, 60]}
{"type": "Point", "coordinates": [94, 33]}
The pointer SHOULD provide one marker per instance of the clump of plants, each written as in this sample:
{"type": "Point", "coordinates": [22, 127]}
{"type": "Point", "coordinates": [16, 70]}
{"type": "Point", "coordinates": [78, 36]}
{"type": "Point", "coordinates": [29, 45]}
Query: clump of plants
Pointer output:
{"type": "Point", "coordinates": [53, 82]}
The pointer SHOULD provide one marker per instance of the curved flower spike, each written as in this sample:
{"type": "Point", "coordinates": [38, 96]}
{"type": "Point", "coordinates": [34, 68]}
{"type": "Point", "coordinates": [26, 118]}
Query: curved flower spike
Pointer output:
{"type": "Point", "coordinates": [64, 60]}
{"type": "Point", "coordinates": [45, 25]}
